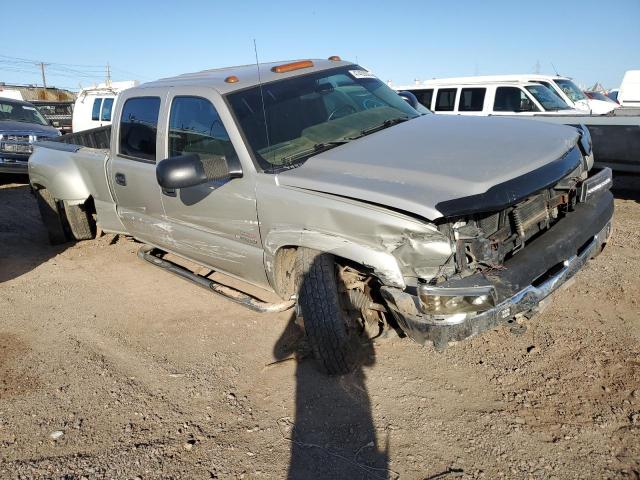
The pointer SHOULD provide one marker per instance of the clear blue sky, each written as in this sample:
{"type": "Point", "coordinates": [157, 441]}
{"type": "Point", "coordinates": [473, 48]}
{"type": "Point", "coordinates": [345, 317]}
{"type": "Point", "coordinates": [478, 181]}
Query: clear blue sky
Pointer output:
{"type": "Point", "coordinates": [400, 41]}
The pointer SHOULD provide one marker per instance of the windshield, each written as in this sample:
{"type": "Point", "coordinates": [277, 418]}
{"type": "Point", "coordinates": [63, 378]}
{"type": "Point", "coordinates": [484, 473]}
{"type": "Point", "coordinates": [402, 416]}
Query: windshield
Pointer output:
{"type": "Point", "coordinates": [570, 89]}
{"type": "Point", "coordinates": [311, 113]}
{"type": "Point", "coordinates": [20, 112]}
{"type": "Point", "coordinates": [548, 99]}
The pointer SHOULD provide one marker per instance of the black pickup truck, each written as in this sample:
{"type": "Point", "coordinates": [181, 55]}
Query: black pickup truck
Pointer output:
{"type": "Point", "coordinates": [58, 114]}
{"type": "Point", "coordinates": [21, 125]}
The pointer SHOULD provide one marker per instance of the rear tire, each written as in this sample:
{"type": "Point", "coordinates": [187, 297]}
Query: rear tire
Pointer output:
{"type": "Point", "coordinates": [80, 222]}
{"type": "Point", "coordinates": [336, 342]}
{"type": "Point", "coordinates": [51, 217]}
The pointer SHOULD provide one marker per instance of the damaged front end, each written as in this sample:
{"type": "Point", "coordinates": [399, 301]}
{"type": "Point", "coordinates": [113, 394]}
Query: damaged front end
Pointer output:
{"type": "Point", "coordinates": [505, 261]}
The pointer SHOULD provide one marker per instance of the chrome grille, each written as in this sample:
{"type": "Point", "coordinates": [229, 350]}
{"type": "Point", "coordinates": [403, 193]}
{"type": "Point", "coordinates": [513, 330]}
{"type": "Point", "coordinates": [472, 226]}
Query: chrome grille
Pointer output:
{"type": "Point", "coordinates": [16, 144]}
{"type": "Point", "coordinates": [16, 138]}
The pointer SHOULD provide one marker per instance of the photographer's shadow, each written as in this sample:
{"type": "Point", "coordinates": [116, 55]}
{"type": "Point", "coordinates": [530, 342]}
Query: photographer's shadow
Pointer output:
{"type": "Point", "coordinates": [332, 435]}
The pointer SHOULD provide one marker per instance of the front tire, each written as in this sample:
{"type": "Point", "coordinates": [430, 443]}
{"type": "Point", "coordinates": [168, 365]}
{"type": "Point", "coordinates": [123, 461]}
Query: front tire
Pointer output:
{"type": "Point", "coordinates": [334, 338]}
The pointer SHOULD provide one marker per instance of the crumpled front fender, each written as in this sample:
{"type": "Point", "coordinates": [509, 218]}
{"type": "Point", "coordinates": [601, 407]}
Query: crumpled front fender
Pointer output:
{"type": "Point", "coordinates": [383, 264]}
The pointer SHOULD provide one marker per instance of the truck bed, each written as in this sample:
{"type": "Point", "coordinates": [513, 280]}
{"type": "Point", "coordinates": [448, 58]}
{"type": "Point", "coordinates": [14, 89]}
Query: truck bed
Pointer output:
{"type": "Point", "coordinates": [73, 168]}
{"type": "Point", "coordinates": [95, 138]}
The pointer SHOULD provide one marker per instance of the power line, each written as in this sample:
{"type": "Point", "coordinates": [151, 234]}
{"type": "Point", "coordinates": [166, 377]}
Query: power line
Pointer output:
{"type": "Point", "coordinates": [30, 60]}
{"type": "Point", "coordinates": [52, 71]}
{"type": "Point", "coordinates": [57, 69]}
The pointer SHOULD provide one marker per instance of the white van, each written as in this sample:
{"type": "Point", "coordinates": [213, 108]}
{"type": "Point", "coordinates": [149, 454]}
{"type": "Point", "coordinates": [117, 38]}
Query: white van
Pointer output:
{"type": "Point", "coordinates": [94, 105]}
{"type": "Point", "coordinates": [629, 93]}
{"type": "Point", "coordinates": [561, 86]}
{"type": "Point", "coordinates": [488, 98]}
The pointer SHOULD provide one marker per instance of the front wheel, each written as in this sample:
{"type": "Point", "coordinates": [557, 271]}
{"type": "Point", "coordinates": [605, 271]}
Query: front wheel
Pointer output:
{"type": "Point", "coordinates": [336, 340]}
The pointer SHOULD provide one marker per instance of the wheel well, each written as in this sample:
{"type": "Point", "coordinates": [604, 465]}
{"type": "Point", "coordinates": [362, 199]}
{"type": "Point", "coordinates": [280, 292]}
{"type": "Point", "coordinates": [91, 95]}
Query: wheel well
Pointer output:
{"type": "Point", "coordinates": [284, 277]}
{"type": "Point", "coordinates": [284, 274]}
{"type": "Point", "coordinates": [88, 206]}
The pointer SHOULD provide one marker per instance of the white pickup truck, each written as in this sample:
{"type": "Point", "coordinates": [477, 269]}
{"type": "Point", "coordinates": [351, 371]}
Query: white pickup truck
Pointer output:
{"type": "Point", "coordinates": [314, 180]}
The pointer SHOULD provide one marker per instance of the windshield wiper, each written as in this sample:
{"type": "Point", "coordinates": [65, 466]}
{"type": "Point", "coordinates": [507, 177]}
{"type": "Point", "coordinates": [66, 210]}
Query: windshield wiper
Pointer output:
{"type": "Point", "coordinates": [386, 124]}
{"type": "Point", "coordinates": [321, 147]}
{"type": "Point", "coordinates": [317, 148]}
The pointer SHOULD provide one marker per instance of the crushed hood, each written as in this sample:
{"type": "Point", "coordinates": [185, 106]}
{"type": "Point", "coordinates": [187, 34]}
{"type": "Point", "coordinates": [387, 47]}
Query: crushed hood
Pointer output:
{"type": "Point", "coordinates": [416, 165]}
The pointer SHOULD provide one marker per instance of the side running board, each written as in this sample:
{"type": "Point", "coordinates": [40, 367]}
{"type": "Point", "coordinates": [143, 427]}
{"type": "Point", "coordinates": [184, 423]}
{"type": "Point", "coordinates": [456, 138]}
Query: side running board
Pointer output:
{"type": "Point", "coordinates": [154, 257]}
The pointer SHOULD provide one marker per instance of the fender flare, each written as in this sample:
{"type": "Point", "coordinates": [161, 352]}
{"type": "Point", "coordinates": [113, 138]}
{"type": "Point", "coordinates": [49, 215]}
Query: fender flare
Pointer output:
{"type": "Point", "coordinates": [56, 171]}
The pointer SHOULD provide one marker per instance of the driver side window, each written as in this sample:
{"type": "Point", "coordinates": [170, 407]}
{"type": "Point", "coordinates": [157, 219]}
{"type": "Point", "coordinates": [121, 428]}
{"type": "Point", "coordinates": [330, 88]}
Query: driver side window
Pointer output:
{"type": "Point", "coordinates": [196, 127]}
{"type": "Point", "coordinates": [513, 99]}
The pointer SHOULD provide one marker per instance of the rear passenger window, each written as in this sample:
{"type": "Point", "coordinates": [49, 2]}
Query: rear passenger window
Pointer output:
{"type": "Point", "coordinates": [107, 105]}
{"type": "Point", "coordinates": [446, 99]}
{"type": "Point", "coordinates": [424, 96]}
{"type": "Point", "coordinates": [95, 112]}
{"type": "Point", "coordinates": [138, 127]}
{"type": "Point", "coordinates": [195, 127]}
{"type": "Point", "coordinates": [471, 99]}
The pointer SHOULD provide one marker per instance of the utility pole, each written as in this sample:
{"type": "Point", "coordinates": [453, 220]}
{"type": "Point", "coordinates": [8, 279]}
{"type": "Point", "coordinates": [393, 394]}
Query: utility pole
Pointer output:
{"type": "Point", "coordinates": [44, 79]}
{"type": "Point", "coordinates": [537, 67]}
{"type": "Point", "coordinates": [108, 75]}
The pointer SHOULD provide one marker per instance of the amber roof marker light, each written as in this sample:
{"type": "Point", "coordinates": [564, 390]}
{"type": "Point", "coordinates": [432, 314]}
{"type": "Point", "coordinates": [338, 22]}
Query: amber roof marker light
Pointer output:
{"type": "Point", "coordinates": [334, 58]}
{"type": "Point", "coordinates": [289, 67]}
{"type": "Point", "coordinates": [232, 79]}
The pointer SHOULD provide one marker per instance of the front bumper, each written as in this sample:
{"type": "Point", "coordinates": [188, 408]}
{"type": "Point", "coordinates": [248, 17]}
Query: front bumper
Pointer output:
{"type": "Point", "coordinates": [528, 277]}
{"type": "Point", "coordinates": [9, 165]}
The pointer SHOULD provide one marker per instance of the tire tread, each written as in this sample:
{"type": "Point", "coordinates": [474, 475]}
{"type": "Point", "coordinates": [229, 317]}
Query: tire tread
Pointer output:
{"type": "Point", "coordinates": [333, 347]}
{"type": "Point", "coordinates": [51, 217]}
{"type": "Point", "coordinates": [80, 222]}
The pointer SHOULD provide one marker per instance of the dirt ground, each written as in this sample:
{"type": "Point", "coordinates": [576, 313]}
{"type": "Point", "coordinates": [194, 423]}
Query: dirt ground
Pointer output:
{"type": "Point", "coordinates": [110, 368]}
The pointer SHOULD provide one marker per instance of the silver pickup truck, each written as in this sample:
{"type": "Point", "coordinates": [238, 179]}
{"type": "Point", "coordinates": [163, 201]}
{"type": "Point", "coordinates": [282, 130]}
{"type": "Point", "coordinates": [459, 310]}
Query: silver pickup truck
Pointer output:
{"type": "Point", "coordinates": [314, 180]}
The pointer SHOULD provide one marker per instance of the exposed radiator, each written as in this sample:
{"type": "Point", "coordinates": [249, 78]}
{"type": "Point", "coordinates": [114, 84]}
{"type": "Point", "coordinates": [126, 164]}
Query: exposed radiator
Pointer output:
{"type": "Point", "coordinates": [528, 216]}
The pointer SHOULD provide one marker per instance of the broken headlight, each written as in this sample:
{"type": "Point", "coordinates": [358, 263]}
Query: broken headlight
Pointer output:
{"type": "Point", "coordinates": [442, 302]}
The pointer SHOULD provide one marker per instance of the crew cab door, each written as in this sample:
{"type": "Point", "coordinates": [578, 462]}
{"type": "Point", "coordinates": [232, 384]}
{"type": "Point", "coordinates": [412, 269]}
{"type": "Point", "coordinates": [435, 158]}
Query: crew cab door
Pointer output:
{"type": "Point", "coordinates": [132, 168]}
{"type": "Point", "coordinates": [215, 223]}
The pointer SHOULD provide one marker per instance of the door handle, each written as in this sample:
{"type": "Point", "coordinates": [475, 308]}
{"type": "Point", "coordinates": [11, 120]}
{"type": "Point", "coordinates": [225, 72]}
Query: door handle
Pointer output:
{"type": "Point", "coordinates": [169, 192]}
{"type": "Point", "coordinates": [121, 179]}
